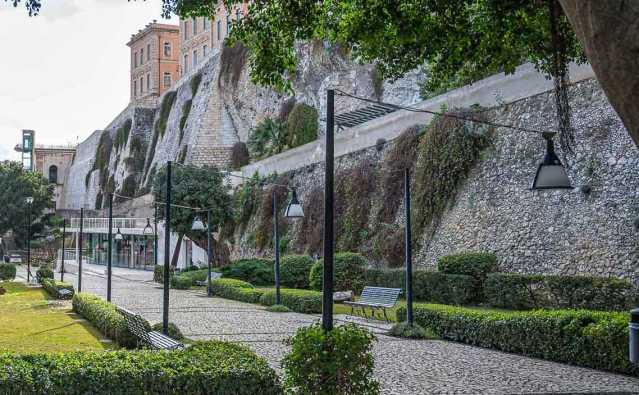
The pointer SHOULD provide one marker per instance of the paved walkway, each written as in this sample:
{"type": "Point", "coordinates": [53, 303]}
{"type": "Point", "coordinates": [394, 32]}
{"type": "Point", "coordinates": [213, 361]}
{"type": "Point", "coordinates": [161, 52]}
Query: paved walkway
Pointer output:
{"type": "Point", "coordinates": [402, 366]}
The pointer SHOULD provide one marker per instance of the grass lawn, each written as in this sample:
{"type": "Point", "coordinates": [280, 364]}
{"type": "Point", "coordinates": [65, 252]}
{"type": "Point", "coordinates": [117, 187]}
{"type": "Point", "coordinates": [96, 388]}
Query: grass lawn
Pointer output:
{"type": "Point", "coordinates": [29, 322]}
{"type": "Point", "coordinates": [339, 308]}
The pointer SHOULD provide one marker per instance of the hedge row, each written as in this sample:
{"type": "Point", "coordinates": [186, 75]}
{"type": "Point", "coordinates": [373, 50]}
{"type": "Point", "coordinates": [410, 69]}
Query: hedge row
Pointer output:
{"type": "Point", "coordinates": [255, 271]}
{"type": "Point", "coordinates": [519, 291]}
{"type": "Point", "coordinates": [427, 285]}
{"type": "Point", "coordinates": [299, 300]}
{"type": "Point", "coordinates": [204, 368]}
{"type": "Point", "coordinates": [52, 287]}
{"type": "Point", "coordinates": [593, 339]}
{"type": "Point", "coordinates": [104, 316]}
{"type": "Point", "coordinates": [348, 272]}
{"type": "Point", "coordinates": [7, 271]}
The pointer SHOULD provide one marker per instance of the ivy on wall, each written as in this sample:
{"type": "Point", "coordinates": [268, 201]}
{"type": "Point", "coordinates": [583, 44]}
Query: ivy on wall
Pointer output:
{"type": "Point", "coordinates": [122, 135]}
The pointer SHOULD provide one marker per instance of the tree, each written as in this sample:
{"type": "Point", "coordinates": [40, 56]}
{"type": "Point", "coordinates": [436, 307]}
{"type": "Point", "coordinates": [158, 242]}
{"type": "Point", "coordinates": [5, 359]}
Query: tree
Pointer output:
{"type": "Point", "coordinates": [198, 187]}
{"type": "Point", "coordinates": [16, 184]}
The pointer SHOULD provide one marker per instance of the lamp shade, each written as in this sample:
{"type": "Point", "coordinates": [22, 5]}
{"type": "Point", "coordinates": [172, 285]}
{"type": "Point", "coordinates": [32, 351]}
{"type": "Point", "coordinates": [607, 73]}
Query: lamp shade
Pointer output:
{"type": "Point", "coordinates": [148, 230]}
{"type": "Point", "coordinates": [29, 200]}
{"type": "Point", "coordinates": [551, 173]}
{"type": "Point", "coordinates": [118, 236]}
{"type": "Point", "coordinates": [198, 224]}
{"type": "Point", "coordinates": [294, 208]}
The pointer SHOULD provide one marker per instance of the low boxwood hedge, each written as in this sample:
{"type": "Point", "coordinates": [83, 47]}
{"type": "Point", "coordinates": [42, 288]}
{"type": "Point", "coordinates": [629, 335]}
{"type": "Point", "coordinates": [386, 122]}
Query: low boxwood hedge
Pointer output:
{"type": "Point", "coordinates": [7, 271]}
{"type": "Point", "coordinates": [587, 338]}
{"type": "Point", "coordinates": [158, 273]}
{"type": "Point", "coordinates": [181, 281]}
{"type": "Point", "coordinates": [204, 368]}
{"type": "Point", "coordinates": [475, 264]}
{"type": "Point", "coordinates": [105, 317]}
{"type": "Point", "coordinates": [348, 272]}
{"type": "Point", "coordinates": [522, 291]}
{"type": "Point", "coordinates": [428, 285]}
{"type": "Point", "coordinates": [235, 289]}
{"type": "Point", "coordinates": [299, 300]}
{"type": "Point", "coordinates": [295, 270]}
{"type": "Point", "coordinates": [255, 271]}
{"type": "Point", "coordinates": [52, 287]}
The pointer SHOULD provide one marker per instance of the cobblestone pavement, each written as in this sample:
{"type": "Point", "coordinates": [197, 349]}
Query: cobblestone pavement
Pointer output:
{"type": "Point", "coordinates": [402, 366]}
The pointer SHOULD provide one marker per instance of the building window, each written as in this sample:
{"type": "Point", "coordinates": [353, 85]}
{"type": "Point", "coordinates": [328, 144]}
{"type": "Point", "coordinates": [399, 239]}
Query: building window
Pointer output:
{"type": "Point", "coordinates": [141, 56]}
{"type": "Point", "coordinates": [194, 26]}
{"type": "Point", "coordinates": [141, 85]}
{"type": "Point", "coordinates": [135, 59]}
{"type": "Point", "coordinates": [135, 88]}
{"type": "Point", "coordinates": [148, 52]}
{"type": "Point", "coordinates": [167, 49]}
{"type": "Point", "coordinates": [194, 58]}
{"type": "Point", "coordinates": [148, 82]}
{"type": "Point", "coordinates": [167, 80]}
{"type": "Point", "coordinates": [205, 50]}
{"type": "Point", "coordinates": [53, 174]}
{"type": "Point", "coordinates": [219, 30]}
{"type": "Point", "coordinates": [186, 30]}
{"type": "Point", "coordinates": [186, 63]}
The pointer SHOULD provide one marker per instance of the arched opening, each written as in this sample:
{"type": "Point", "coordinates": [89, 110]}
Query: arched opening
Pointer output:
{"type": "Point", "coordinates": [53, 174]}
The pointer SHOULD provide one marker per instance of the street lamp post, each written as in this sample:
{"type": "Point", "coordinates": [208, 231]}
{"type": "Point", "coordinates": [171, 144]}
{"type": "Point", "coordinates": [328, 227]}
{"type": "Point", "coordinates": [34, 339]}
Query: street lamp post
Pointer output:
{"type": "Point", "coordinates": [64, 235]}
{"type": "Point", "coordinates": [155, 234]}
{"type": "Point", "coordinates": [293, 210]}
{"type": "Point", "coordinates": [110, 248]}
{"type": "Point", "coordinates": [29, 201]}
{"type": "Point", "coordinates": [167, 248]}
{"type": "Point", "coordinates": [408, 249]}
{"type": "Point", "coordinates": [80, 249]}
{"type": "Point", "coordinates": [327, 284]}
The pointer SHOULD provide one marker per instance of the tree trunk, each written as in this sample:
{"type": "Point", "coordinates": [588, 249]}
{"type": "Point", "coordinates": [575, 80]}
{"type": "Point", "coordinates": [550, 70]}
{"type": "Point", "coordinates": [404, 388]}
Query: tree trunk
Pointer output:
{"type": "Point", "coordinates": [609, 33]}
{"type": "Point", "coordinates": [176, 251]}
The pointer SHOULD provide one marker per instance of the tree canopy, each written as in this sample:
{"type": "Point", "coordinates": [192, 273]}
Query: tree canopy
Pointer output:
{"type": "Point", "coordinates": [16, 184]}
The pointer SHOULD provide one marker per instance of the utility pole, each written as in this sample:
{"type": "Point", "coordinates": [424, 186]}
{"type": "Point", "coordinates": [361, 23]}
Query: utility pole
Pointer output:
{"type": "Point", "coordinates": [327, 288]}
{"type": "Point", "coordinates": [167, 249]}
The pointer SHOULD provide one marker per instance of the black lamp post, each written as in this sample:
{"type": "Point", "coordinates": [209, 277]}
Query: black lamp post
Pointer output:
{"type": "Point", "coordinates": [64, 236]}
{"type": "Point", "coordinates": [110, 247]}
{"type": "Point", "coordinates": [408, 249]}
{"type": "Point", "coordinates": [80, 249]}
{"type": "Point", "coordinates": [29, 201]}
{"type": "Point", "coordinates": [551, 173]}
{"type": "Point", "coordinates": [327, 284]}
{"type": "Point", "coordinates": [293, 210]}
{"type": "Point", "coordinates": [155, 234]}
{"type": "Point", "coordinates": [167, 248]}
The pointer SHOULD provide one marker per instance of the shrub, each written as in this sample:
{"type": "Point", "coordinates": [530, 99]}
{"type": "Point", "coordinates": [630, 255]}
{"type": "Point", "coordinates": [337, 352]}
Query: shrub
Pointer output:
{"type": "Point", "coordinates": [181, 282]}
{"type": "Point", "coordinates": [299, 300]}
{"type": "Point", "coordinates": [7, 271]}
{"type": "Point", "coordinates": [105, 317]}
{"type": "Point", "coordinates": [158, 273]}
{"type": "Point", "coordinates": [52, 287]}
{"type": "Point", "coordinates": [593, 339]}
{"type": "Point", "coordinates": [415, 331]}
{"type": "Point", "coordinates": [294, 270]}
{"type": "Point", "coordinates": [519, 291]}
{"type": "Point", "coordinates": [302, 125]}
{"type": "Point", "coordinates": [196, 275]}
{"type": "Point", "coordinates": [255, 271]}
{"type": "Point", "coordinates": [236, 290]}
{"type": "Point", "coordinates": [205, 367]}
{"type": "Point", "coordinates": [267, 138]}
{"type": "Point", "coordinates": [239, 155]}
{"type": "Point", "coordinates": [330, 362]}
{"type": "Point", "coordinates": [475, 264]}
{"type": "Point", "coordinates": [427, 285]}
{"type": "Point", "coordinates": [348, 272]}
{"type": "Point", "coordinates": [174, 331]}
{"type": "Point", "coordinates": [278, 308]}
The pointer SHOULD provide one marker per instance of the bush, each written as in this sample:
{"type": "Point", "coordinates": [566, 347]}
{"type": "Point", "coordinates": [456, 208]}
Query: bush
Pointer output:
{"type": "Point", "coordinates": [427, 285]}
{"type": "Point", "coordinates": [44, 272]}
{"type": "Point", "coordinates": [475, 264]}
{"type": "Point", "coordinates": [348, 272]}
{"type": "Point", "coordinates": [519, 291]}
{"type": "Point", "coordinates": [330, 362]}
{"type": "Point", "coordinates": [174, 331]}
{"type": "Point", "coordinates": [294, 270]}
{"type": "Point", "coordinates": [196, 275]}
{"type": "Point", "coordinates": [52, 287]}
{"type": "Point", "coordinates": [7, 271]}
{"type": "Point", "coordinates": [236, 290]}
{"type": "Point", "coordinates": [206, 367]}
{"type": "Point", "coordinates": [105, 317]}
{"type": "Point", "coordinates": [158, 273]}
{"type": "Point", "coordinates": [181, 282]}
{"type": "Point", "coordinates": [255, 271]}
{"type": "Point", "coordinates": [278, 308]}
{"type": "Point", "coordinates": [299, 300]}
{"type": "Point", "coordinates": [592, 339]}
{"type": "Point", "coordinates": [239, 155]}
{"type": "Point", "coordinates": [302, 125]}
{"type": "Point", "coordinates": [415, 331]}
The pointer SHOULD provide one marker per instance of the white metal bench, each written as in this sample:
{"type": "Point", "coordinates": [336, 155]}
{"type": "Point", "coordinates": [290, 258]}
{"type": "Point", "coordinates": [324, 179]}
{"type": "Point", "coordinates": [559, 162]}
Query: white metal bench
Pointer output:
{"type": "Point", "coordinates": [151, 339]}
{"type": "Point", "coordinates": [214, 276]}
{"type": "Point", "coordinates": [376, 298]}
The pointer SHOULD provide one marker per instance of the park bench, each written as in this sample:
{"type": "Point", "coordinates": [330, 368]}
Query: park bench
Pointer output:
{"type": "Point", "coordinates": [63, 293]}
{"type": "Point", "coordinates": [214, 276]}
{"type": "Point", "coordinates": [376, 298]}
{"type": "Point", "coordinates": [152, 339]}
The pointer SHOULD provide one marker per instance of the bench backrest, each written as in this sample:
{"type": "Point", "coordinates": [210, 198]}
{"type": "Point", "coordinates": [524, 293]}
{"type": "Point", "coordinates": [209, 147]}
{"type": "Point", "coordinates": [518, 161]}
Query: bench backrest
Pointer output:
{"type": "Point", "coordinates": [386, 297]}
{"type": "Point", "coordinates": [136, 324]}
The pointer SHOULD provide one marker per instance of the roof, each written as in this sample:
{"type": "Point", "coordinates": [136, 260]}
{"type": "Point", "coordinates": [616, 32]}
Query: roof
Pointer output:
{"type": "Point", "coordinates": [154, 26]}
{"type": "Point", "coordinates": [363, 115]}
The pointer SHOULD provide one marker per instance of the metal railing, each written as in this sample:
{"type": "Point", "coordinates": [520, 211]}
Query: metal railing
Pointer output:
{"type": "Point", "coordinates": [103, 223]}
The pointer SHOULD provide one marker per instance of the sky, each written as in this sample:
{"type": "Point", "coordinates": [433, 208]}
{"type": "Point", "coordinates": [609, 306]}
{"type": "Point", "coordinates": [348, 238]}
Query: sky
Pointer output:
{"type": "Point", "coordinates": [65, 72]}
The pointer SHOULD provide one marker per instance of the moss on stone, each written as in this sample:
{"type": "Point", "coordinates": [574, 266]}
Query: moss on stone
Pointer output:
{"type": "Point", "coordinates": [302, 125]}
{"type": "Point", "coordinates": [186, 110]}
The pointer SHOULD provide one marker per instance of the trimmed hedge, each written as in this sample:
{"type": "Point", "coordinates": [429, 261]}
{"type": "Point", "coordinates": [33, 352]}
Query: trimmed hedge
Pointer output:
{"type": "Point", "coordinates": [520, 291]}
{"type": "Point", "coordinates": [7, 271]}
{"type": "Point", "coordinates": [235, 289]}
{"type": "Point", "coordinates": [475, 264]}
{"type": "Point", "coordinates": [158, 273]}
{"type": "Point", "coordinates": [204, 368]}
{"type": "Point", "coordinates": [295, 270]}
{"type": "Point", "coordinates": [348, 272]}
{"type": "Point", "coordinates": [174, 331]}
{"type": "Point", "coordinates": [44, 272]}
{"type": "Point", "coordinates": [592, 339]}
{"type": "Point", "coordinates": [52, 286]}
{"type": "Point", "coordinates": [299, 300]}
{"type": "Point", "coordinates": [430, 286]}
{"type": "Point", "coordinates": [181, 282]}
{"type": "Point", "coordinates": [256, 271]}
{"type": "Point", "coordinates": [105, 317]}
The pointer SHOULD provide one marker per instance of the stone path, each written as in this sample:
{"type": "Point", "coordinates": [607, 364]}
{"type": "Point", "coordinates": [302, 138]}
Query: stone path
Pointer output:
{"type": "Point", "coordinates": [402, 366]}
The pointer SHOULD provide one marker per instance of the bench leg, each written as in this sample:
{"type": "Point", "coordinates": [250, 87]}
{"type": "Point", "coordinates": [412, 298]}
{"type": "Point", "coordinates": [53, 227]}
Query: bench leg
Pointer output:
{"type": "Point", "coordinates": [364, 312]}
